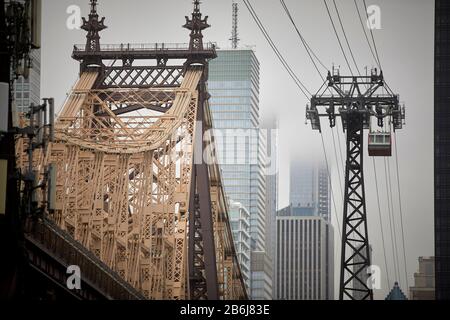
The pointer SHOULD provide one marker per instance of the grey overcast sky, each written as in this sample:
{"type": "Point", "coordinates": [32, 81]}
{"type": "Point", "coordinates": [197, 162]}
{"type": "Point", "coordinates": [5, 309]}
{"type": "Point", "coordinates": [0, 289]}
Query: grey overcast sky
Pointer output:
{"type": "Point", "coordinates": [405, 45]}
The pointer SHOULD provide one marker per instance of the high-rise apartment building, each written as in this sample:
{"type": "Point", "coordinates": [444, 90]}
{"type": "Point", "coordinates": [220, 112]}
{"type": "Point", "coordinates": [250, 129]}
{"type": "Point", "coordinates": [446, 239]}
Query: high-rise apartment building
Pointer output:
{"type": "Point", "coordinates": [442, 149]}
{"type": "Point", "coordinates": [304, 258]}
{"type": "Point", "coordinates": [234, 87]}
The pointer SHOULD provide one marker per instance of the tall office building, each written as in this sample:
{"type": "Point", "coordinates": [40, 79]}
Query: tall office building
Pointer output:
{"type": "Point", "coordinates": [304, 258]}
{"type": "Point", "coordinates": [424, 280]}
{"type": "Point", "coordinates": [261, 276]}
{"type": "Point", "coordinates": [442, 149]}
{"type": "Point", "coordinates": [240, 226]}
{"type": "Point", "coordinates": [309, 188]}
{"type": "Point", "coordinates": [271, 188]}
{"type": "Point", "coordinates": [234, 87]}
{"type": "Point", "coordinates": [28, 91]}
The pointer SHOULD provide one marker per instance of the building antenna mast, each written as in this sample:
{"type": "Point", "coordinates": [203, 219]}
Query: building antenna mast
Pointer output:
{"type": "Point", "coordinates": [234, 30]}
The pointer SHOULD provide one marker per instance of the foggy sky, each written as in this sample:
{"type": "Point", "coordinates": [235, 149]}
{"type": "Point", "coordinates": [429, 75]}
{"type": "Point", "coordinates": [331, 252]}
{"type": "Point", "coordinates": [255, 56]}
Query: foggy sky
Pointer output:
{"type": "Point", "coordinates": [405, 45]}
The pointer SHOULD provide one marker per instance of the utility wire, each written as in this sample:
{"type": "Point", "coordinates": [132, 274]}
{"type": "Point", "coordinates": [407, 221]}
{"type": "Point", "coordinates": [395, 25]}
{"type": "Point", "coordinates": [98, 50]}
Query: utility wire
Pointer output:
{"type": "Point", "coordinates": [337, 36]}
{"type": "Point", "coordinates": [345, 36]}
{"type": "Point", "coordinates": [393, 219]}
{"type": "Point", "coordinates": [340, 145]}
{"type": "Point", "coordinates": [391, 224]}
{"type": "Point", "coordinates": [396, 158]}
{"type": "Point", "coordinates": [401, 211]}
{"type": "Point", "coordinates": [310, 52]}
{"type": "Point", "coordinates": [331, 187]}
{"type": "Point", "coordinates": [373, 38]}
{"type": "Point", "coordinates": [283, 61]}
{"type": "Point", "coordinates": [308, 49]}
{"type": "Point", "coordinates": [381, 223]}
{"type": "Point", "coordinates": [337, 163]}
{"type": "Point", "coordinates": [376, 57]}
{"type": "Point", "coordinates": [299, 84]}
{"type": "Point", "coordinates": [365, 34]}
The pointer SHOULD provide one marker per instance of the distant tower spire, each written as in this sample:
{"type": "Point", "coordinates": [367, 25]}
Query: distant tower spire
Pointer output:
{"type": "Point", "coordinates": [196, 24]}
{"type": "Point", "coordinates": [93, 26]}
{"type": "Point", "coordinates": [234, 31]}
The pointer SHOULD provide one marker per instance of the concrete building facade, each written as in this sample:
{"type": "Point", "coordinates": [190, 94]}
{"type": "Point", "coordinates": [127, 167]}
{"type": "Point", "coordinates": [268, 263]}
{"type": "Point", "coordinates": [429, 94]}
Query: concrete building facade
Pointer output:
{"type": "Point", "coordinates": [424, 280]}
{"type": "Point", "coordinates": [304, 259]}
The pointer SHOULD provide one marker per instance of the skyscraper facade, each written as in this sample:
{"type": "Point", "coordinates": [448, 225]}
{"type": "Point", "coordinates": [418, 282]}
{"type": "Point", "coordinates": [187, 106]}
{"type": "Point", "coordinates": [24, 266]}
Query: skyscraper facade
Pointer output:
{"type": "Point", "coordinates": [234, 87]}
{"type": "Point", "coordinates": [261, 276]}
{"type": "Point", "coordinates": [240, 226]}
{"type": "Point", "coordinates": [442, 149]}
{"type": "Point", "coordinates": [309, 188]}
{"type": "Point", "coordinates": [28, 91]}
{"type": "Point", "coordinates": [304, 258]}
{"type": "Point", "coordinates": [271, 189]}
{"type": "Point", "coordinates": [424, 280]}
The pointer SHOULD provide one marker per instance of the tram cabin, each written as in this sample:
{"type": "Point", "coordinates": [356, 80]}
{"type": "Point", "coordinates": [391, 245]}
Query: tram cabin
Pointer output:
{"type": "Point", "coordinates": [380, 144]}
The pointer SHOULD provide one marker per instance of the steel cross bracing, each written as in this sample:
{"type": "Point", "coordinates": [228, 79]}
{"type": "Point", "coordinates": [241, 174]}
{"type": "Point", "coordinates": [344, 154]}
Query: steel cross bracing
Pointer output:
{"type": "Point", "coordinates": [127, 187]}
{"type": "Point", "coordinates": [356, 105]}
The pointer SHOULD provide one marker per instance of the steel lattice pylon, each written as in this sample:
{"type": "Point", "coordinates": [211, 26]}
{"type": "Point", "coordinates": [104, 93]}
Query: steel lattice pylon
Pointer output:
{"type": "Point", "coordinates": [356, 105]}
{"type": "Point", "coordinates": [127, 186]}
{"type": "Point", "coordinates": [354, 241]}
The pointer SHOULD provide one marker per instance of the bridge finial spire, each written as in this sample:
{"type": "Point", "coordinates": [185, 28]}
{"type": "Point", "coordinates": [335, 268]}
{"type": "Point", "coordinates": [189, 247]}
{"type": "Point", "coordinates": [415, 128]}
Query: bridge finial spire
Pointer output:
{"type": "Point", "coordinates": [93, 6]}
{"type": "Point", "coordinates": [196, 6]}
{"type": "Point", "coordinates": [93, 26]}
{"type": "Point", "coordinates": [196, 24]}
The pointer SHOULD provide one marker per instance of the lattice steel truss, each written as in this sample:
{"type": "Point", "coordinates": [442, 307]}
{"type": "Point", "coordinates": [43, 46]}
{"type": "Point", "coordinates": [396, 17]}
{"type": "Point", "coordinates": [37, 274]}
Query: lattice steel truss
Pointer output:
{"type": "Point", "coordinates": [127, 186]}
{"type": "Point", "coordinates": [357, 99]}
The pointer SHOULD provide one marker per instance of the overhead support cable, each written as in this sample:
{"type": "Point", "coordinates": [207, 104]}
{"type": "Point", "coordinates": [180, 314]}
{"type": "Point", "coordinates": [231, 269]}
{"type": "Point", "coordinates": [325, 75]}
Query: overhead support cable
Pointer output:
{"type": "Point", "coordinates": [280, 57]}
{"type": "Point", "coordinates": [296, 80]}
{"type": "Point", "coordinates": [373, 38]}
{"type": "Point", "coordinates": [393, 220]}
{"type": "Point", "coordinates": [365, 34]}
{"type": "Point", "coordinates": [381, 224]}
{"type": "Point", "coordinates": [331, 187]}
{"type": "Point", "coordinates": [308, 49]}
{"type": "Point", "coordinates": [401, 211]}
{"type": "Point", "coordinates": [337, 36]}
{"type": "Point", "coordinates": [345, 36]}
{"type": "Point", "coordinates": [391, 223]}
{"type": "Point", "coordinates": [376, 57]}
{"type": "Point", "coordinates": [337, 164]}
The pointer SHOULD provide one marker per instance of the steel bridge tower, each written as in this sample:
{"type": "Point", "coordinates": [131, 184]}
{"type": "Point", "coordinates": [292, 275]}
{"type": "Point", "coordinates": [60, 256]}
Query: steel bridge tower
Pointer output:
{"type": "Point", "coordinates": [355, 99]}
{"type": "Point", "coordinates": [136, 177]}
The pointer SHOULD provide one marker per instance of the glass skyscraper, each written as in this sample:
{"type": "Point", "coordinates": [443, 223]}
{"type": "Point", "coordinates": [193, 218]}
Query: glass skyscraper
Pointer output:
{"type": "Point", "coordinates": [234, 87]}
{"type": "Point", "coordinates": [27, 91]}
{"type": "Point", "coordinates": [442, 150]}
{"type": "Point", "coordinates": [310, 188]}
{"type": "Point", "coordinates": [240, 225]}
{"type": "Point", "coordinates": [304, 237]}
{"type": "Point", "coordinates": [271, 189]}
